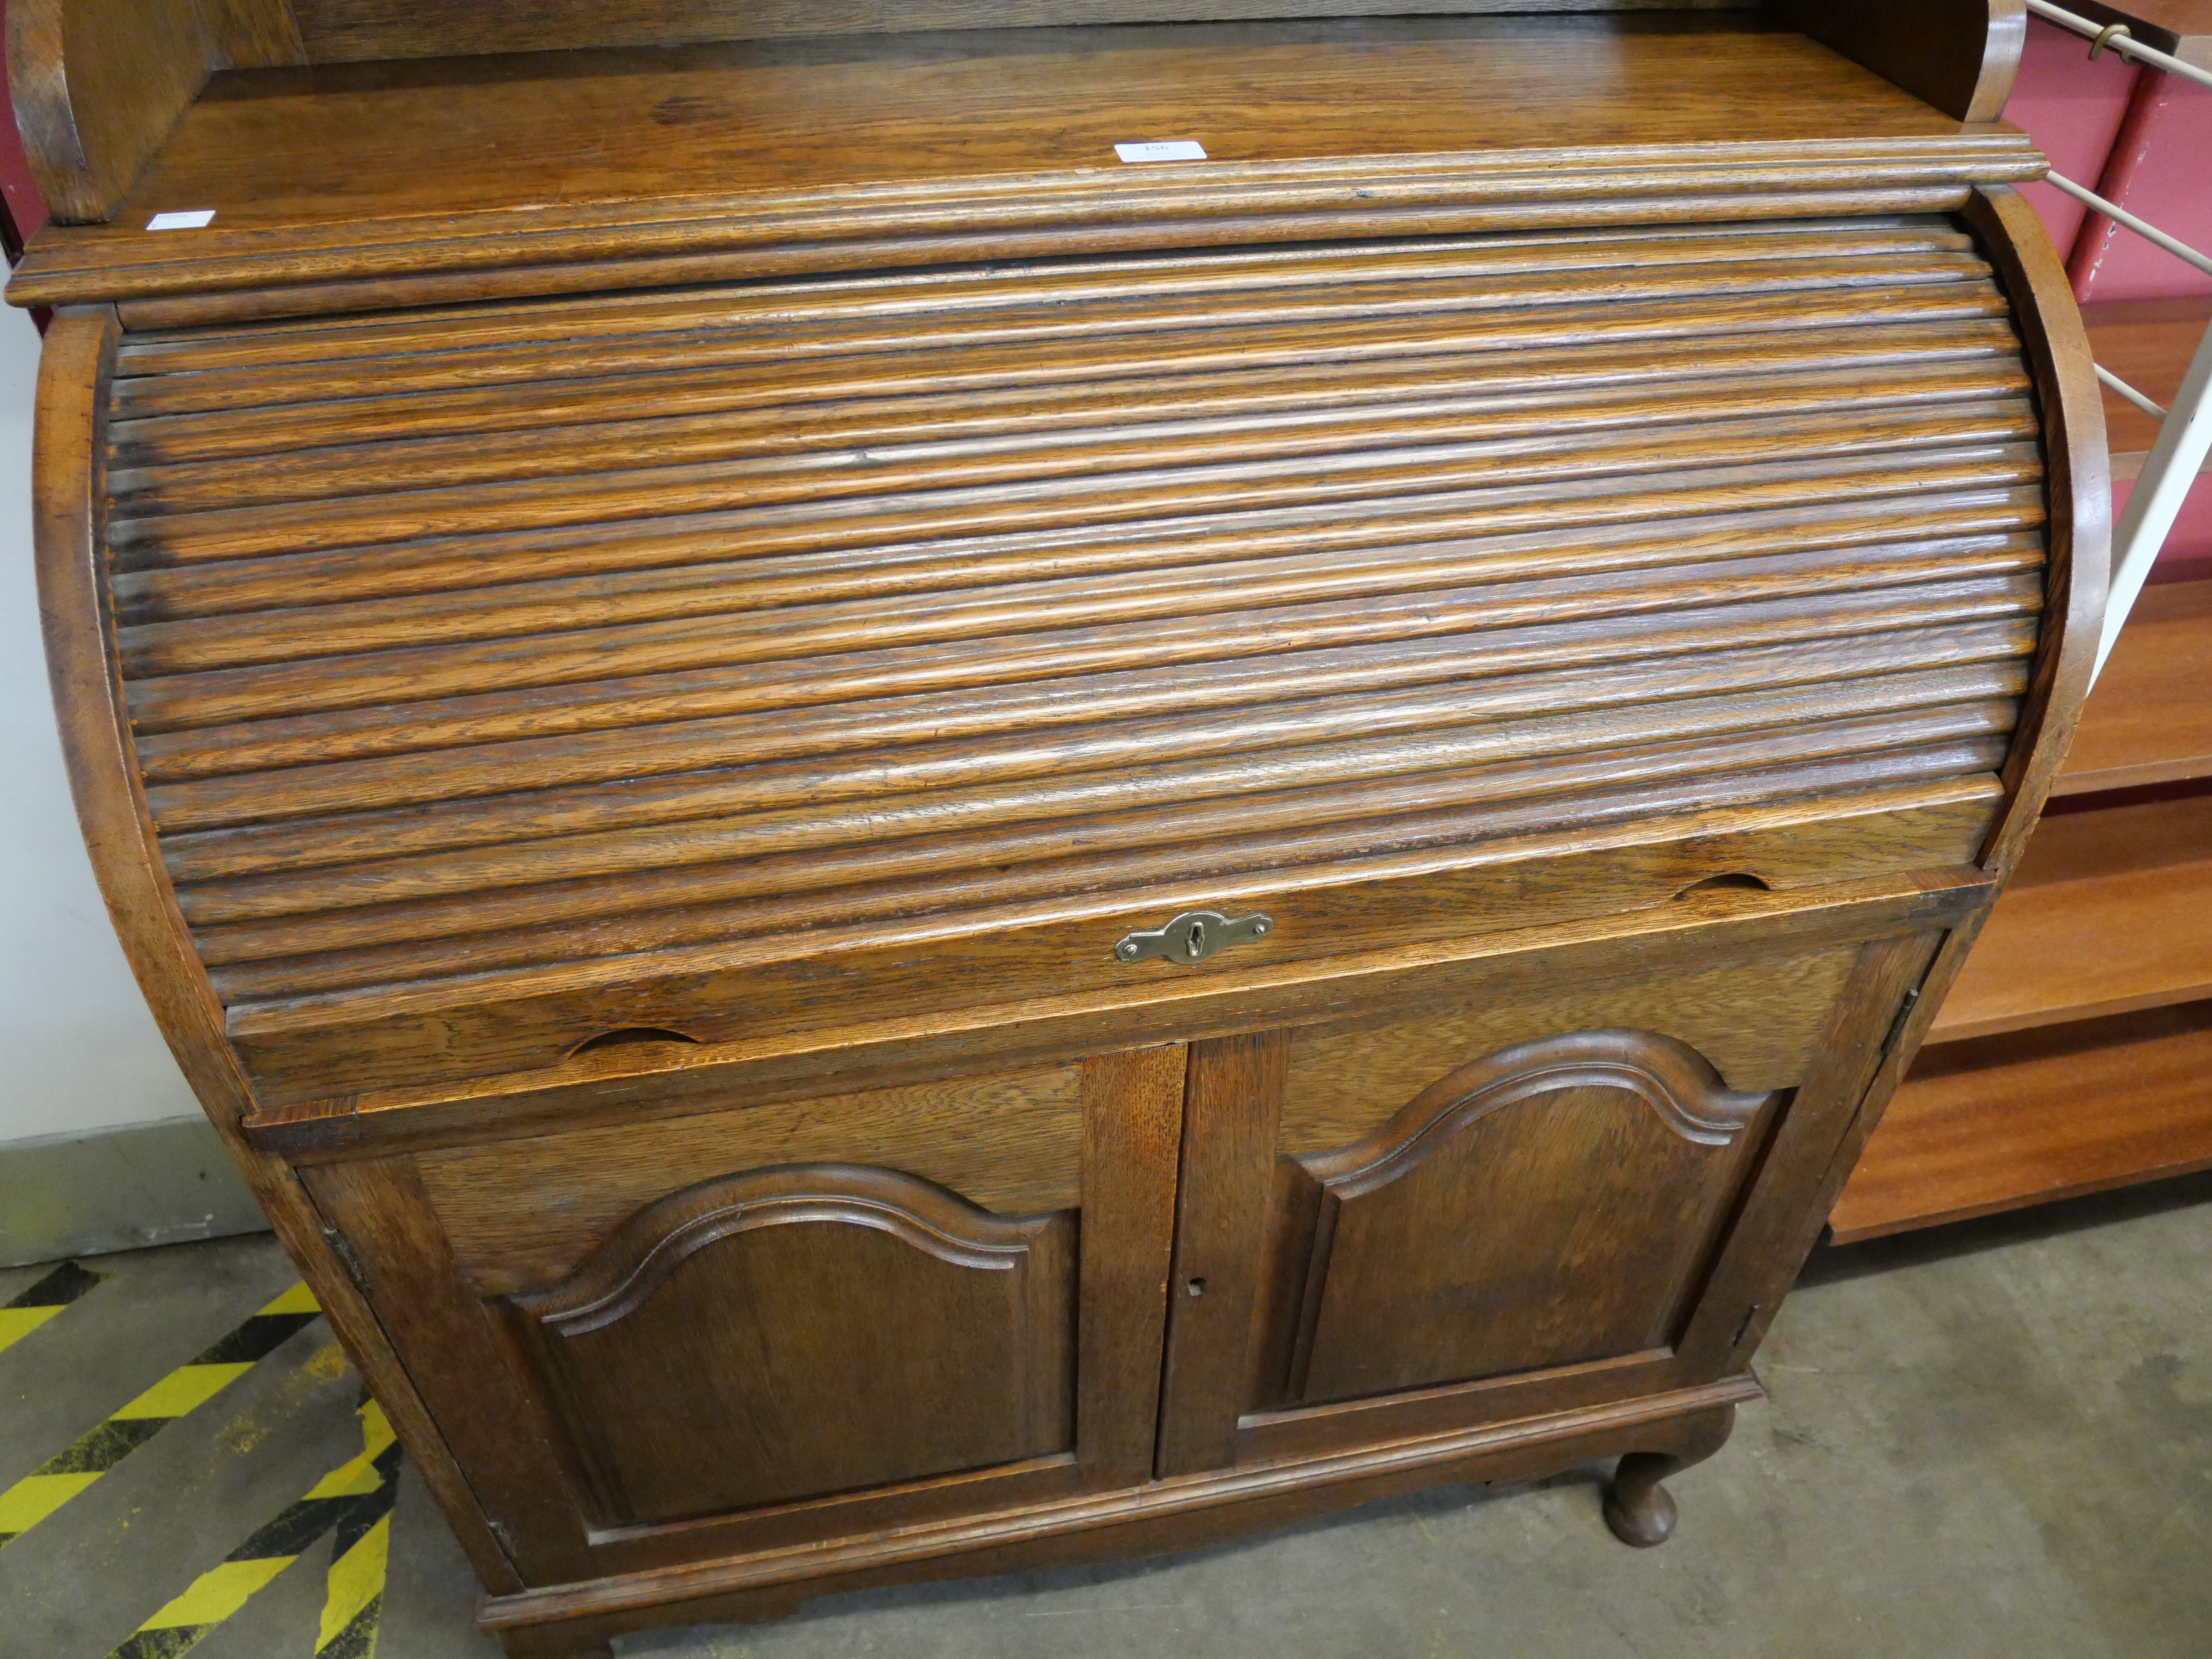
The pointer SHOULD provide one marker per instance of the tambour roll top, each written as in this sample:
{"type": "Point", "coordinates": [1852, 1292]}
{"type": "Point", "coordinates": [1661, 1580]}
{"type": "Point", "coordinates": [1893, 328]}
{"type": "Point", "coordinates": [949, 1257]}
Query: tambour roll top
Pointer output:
{"type": "Point", "coordinates": [763, 651]}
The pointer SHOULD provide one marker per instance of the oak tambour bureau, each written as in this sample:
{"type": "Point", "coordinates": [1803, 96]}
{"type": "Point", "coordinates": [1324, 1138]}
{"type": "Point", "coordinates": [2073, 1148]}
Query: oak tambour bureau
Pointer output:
{"type": "Point", "coordinates": [902, 850]}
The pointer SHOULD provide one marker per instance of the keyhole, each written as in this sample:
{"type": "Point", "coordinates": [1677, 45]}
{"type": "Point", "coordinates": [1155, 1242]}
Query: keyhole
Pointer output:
{"type": "Point", "coordinates": [1196, 939]}
{"type": "Point", "coordinates": [1195, 1287]}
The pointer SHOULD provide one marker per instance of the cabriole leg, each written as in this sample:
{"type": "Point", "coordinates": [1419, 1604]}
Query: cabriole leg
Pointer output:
{"type": "Point", "coordinates": [1639, 1510]}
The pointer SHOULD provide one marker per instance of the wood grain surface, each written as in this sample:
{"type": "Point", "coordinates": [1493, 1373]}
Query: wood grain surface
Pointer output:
{"type": "Point", "coordinates": [635, 618]}
{"type": "Point", "coordinates": [1756, 1022]}
{"type": "Point", "coordinates": [1190, 569]}
{"type": "Point", "coordinates": [1552, 1204]}
{"type": "Point", "coordinates": [96, 86]}
{"type": "Point", "coordinates": [342, 186]}
{"type": "Point", "coordinates": [523, 1212]}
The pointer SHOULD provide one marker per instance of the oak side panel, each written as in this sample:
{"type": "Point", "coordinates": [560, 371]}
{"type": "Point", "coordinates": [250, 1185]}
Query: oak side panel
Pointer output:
{"type": "Point", "coordinates": [66, 535]}
{"type": "Point", "coordinates": [97, 86]}
{"type": "Point", "coordinates": [1958, 54]}
{"type": "Point", "coordinates": [2080, 561]}
{"type": "Point", "coordinates": [2080, 532]}
{"type": "Point", "coordinates": [498, 1428]}
{"type": "Point", "coordinates": [252, 33]}
{"type": "Point", "coordinates": [1812, 1151]}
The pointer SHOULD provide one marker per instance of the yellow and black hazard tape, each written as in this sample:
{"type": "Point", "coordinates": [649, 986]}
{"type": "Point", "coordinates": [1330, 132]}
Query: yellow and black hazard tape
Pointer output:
{"type": "Point", "coordinates": [356, 1498]}
{"type": "Point", "coordinates": [66, 1474]}
{"type": "Point", "coordinates": [353, 1601]}
{"type": "Point", "coordinates": [35, 1306]}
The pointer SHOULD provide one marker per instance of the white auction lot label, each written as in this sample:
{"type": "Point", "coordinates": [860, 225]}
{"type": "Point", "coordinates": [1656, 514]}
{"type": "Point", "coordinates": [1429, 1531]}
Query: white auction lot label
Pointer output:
{"type": "Point", "coordinates": [1166, 150]}
{"type": "Point", "coordinates": [191, 219]}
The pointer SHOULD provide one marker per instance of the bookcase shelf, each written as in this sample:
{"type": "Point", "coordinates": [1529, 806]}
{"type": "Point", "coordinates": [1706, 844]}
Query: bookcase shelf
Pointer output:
{"type": "Point", "coordinates": [2074, 1052]}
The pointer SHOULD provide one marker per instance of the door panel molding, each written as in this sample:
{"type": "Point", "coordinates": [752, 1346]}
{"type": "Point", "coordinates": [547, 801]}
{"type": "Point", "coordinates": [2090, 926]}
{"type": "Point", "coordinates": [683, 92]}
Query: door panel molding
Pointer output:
{"type": "Point", "coordinates": [637, 1259]}
{"type": "Point", "coordinates": [1676, 1081]}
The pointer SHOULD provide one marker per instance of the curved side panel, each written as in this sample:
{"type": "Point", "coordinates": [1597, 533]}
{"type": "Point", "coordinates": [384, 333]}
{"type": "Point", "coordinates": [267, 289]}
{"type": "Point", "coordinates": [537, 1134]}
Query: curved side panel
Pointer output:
{"type": "Point", "coordinates": [2079, 485]}
{"type": "Point", "coordinates": [44, 119]}
{"type": "Point", "coordinates": [66, 494]}
{"type": "Point", "coordinates": [97, 85]}
{"type": "Point", "coordinates": [67, 486]}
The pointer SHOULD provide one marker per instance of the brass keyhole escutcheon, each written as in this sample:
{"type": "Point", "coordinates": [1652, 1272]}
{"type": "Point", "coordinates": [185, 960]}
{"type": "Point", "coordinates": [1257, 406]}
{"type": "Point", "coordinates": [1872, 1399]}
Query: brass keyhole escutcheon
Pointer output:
{"type": "Point", "coordinates": [1192, 936]}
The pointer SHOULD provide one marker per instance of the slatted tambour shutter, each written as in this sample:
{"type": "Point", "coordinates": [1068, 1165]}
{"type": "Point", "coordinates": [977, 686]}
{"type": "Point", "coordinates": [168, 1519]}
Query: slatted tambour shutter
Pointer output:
{"type": "Point", "coordinates": [481, 657]}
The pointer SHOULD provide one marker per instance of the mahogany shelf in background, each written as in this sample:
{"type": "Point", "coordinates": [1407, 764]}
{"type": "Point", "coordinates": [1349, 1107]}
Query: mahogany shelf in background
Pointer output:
{"type": "Point", "coordinates": [2107, 914]}
{"type": "Point", "coordinates": [2148, 344]}
{"type": "Point", "coordinates": [2008, 1121]}
{"type": "Point", "coordinates": [2074, 1052]}
{"type": "Point", "coordinates": [2149, 720]}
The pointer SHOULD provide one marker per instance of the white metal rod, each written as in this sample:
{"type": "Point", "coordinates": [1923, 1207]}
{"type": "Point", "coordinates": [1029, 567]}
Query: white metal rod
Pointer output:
{"type": "Point", "coordinates": [2120, 215]}
{"type": "Point", "coordinates": [2124, 44]}
{"type": "Point", "coordinates": [2129, 393]}
{"type": "Point", "coordinates": [2169, 472]}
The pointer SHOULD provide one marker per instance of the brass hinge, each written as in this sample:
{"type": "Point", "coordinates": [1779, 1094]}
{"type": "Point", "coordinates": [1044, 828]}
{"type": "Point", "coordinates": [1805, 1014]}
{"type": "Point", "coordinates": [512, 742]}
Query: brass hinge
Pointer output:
{"type": "Point", "coordinates": [347, 1259]}
{"type": "Point", "coordinates": [1897, 1026]}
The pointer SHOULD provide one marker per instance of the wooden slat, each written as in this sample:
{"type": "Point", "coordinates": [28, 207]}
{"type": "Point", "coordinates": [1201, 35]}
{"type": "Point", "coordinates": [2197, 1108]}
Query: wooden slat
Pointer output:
{"type": "Point", "coordinates": [1271, 369]}
{"type": "Point", "coordinates": [980, 304]}
{"type": "Point", "coordinates": [965, 606]}
{"type": "Point", "coordinates": [2107, 914]}
{"type": "Point", "coordinates": [773, 898]}
{"type": "Point", "coordinates": [1851, 500]}
{"type": "Point", "coordinates": [1114, 426]}
{"type": "Point", "coordinates": [923, 735]}
{"type": "Point", "coordinates": [1987, 1125]}
{"type": "Point", "coordinates": [1092, 674]}
{"type": "Point", "coordinates": [2150, 719]}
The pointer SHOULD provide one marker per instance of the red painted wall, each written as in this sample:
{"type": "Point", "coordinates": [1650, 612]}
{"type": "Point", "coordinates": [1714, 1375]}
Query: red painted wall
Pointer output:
{"type": "Point", "coordinates": [19, 198]}
{"type": "Point", "coordinates": [2073, 109]}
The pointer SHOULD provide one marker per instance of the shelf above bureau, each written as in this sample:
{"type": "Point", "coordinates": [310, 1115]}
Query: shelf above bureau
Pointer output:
{"type": "Point", "coordinates": [912, 149]}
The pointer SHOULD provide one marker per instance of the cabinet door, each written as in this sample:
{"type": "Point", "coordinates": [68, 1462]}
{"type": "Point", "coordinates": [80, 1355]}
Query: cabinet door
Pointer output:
{"type": "Point", "coordinates": [1399, 1229]}
{"type": "Point", "coordinates": [658, 1342]}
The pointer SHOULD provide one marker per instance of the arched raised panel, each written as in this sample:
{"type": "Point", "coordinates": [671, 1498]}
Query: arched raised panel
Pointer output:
{"type": "Point", "coordinates": [799, 1332]}
{"type": "Point", "coordinates": [1550, 1204]}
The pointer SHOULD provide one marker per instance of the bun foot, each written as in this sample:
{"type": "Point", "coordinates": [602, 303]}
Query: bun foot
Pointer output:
{"type": "Point", "coordinates": [1638, 1508]}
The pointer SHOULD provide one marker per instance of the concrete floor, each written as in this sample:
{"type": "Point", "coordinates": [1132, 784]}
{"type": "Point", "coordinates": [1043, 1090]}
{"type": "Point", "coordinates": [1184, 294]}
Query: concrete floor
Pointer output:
{"type": "Point", "coordinates": [1993, 1440]}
